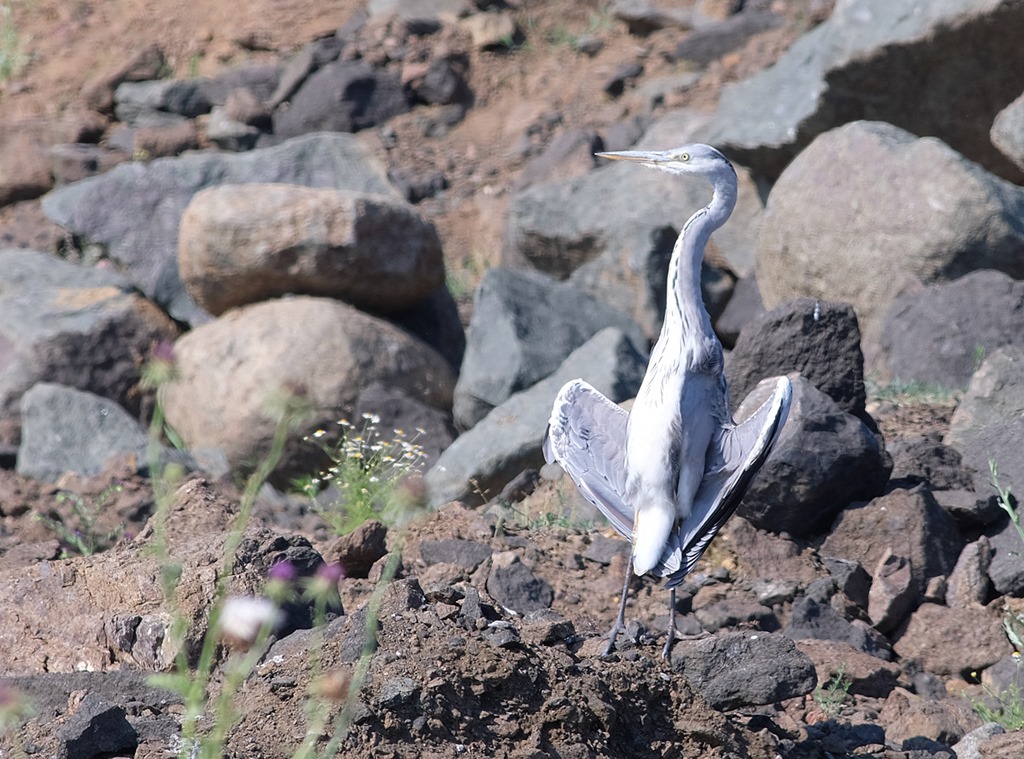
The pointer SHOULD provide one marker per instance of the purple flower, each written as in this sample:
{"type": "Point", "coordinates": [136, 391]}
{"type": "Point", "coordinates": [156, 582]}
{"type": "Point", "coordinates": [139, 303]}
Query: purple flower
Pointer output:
{"type": "Point", "coordinates": [284, 571]}
{"type": "Point", "coordinates": [163, 351]}
{"type": "Point", "coordinates": [330, 573]}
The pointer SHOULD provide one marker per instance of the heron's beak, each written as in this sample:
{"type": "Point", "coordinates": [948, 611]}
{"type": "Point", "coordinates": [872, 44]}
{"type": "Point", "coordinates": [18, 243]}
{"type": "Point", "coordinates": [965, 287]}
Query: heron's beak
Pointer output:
{"type": "Point", "coordinates": [639, 156]}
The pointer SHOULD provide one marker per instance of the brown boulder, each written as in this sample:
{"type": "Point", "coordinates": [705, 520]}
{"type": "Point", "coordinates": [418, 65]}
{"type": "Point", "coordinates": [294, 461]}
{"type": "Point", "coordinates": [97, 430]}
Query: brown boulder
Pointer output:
{"type": "Point", "coordinates": [953, 641]}
{"type": "Point", "coordinates": [240, 244]}
{"type": "Point", "coordinates": [316, 349]}
{"type": "Point", "coordinates": [906, 523]}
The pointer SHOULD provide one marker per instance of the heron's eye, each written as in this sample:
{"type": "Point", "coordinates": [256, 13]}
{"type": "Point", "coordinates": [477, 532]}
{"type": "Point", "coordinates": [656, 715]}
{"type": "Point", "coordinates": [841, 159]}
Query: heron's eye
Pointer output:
{"type": "Point", "coordinates": [684, 157]}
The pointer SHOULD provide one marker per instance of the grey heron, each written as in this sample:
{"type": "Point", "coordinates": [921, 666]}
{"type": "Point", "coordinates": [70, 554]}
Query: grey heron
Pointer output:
{"type": "Point", "coordinates": [669, 473]}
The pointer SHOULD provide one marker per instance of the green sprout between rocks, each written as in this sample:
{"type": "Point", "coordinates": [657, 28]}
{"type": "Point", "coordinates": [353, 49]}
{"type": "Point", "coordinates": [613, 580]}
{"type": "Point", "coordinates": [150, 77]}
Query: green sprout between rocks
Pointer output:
{"type": "Point", "coordinates": [1013, 623]}
{"type": "Point", "coordinates": [366, 471]}
{"type": "Point", "coordinates": [1005, 708]}
{"type": "Point", "coordinates": [1005, 498]}
{"type": "Point", "coordinates": [12, 55]}
{"type": "Point", "coordinates": [910, 391]}
{"type": "Point", "coordinates": [1008, 710]}
{"type": "Point", "coordinates": [831, 696]}
{"type": "Point", "coordinates": [85, 539]}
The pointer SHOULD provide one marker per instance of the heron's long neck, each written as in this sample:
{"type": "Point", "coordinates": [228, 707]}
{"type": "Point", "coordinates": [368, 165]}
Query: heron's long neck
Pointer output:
{"type": "Point", "coordinates": [685, 307]}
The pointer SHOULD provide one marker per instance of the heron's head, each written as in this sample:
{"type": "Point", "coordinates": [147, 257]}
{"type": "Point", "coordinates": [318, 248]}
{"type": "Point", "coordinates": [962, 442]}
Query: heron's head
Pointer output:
{"type": "Point", "coordinates": [699, 159]}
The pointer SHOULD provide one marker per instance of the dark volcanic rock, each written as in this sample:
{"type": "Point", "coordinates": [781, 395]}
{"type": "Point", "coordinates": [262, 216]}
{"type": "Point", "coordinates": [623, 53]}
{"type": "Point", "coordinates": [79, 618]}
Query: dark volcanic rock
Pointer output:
{"type": "Point", "coordinates": [97, 728]}
{"type": "Point", "coordinates": [819, 621]}
{"type": "Point", "coordinates": [745, 669]}
{"type": "Point", "coordinates": [903, 522]}
{"type": "Point", "coordinates": [819, 339]}
{"type": "Point", "coordinates": [926, 460]}
{"type": "Point", "coordinates": [824, 459]}
{"type": "Point", "coordinates": [467, 554]}
{"type": "Point", "coordinates": [950, 642]}
{"type": "Point", "coordinates": [343, 96]}
{"type": "Point", "coordinates": [516, 587]}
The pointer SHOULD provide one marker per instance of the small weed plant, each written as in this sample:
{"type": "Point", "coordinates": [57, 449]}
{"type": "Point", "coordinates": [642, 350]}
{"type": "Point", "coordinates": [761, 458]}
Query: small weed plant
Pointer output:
{"type": "Point", "coordinates": [12, 55]}
{"type": "Point", "coordinates": [85, 538]}
{"type": "Point", "coordinates": [367, 467]}
{"type": "Point", "coordinates": [831, 696]}
{"type": "Point", "coordinates": [1013, 623]}
{"type": "Point", "coordinates": [1005, 498]}
{"type": "Point", "coordinates": [1005, 708]}
{"type": "Point", "coordinates": [911, 391]}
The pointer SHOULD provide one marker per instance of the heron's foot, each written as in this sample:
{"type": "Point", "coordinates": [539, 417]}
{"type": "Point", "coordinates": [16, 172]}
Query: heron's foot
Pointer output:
{"type": "Point", "coordinates": [666, 652]}
{"type": "Point", "coordinates": [613, 636]}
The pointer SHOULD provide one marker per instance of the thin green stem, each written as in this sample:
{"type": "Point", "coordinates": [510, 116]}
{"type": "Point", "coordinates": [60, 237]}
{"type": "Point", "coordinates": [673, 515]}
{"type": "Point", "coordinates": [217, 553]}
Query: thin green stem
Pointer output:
{"type": "Point", "coordinates": [347, 715]}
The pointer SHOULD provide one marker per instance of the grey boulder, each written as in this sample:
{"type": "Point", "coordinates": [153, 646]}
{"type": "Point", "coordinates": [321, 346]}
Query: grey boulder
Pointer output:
{"type": "Point", "coordinates": [66, 430]}
{"type": "Point", "coordinates": [56, 332]}
{"type": "Point", "coordinates": [939, 334]}
{"type": "Point", "coordinates": [988, 426]}
{"type": "Point", "coordinates": [524, 325]}
{"type": "Point", "coordinates": [829, 229]}
{"type": "Point", "coordinates": [876, 59]}
{"type": "Point", "coordinates": [744, 669]}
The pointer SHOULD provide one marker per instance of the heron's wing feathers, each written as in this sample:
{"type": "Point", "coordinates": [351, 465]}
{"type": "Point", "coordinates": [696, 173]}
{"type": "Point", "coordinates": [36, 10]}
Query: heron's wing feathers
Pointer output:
{"type": "Point", "coordinates": [736, 455]}
{"type": "Point", "coordinates": [587, 436]}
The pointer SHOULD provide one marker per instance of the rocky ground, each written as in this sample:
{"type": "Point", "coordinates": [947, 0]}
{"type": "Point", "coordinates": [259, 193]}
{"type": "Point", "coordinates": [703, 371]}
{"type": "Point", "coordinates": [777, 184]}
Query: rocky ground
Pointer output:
{"type": "Point", "coordinates": [854, 607]}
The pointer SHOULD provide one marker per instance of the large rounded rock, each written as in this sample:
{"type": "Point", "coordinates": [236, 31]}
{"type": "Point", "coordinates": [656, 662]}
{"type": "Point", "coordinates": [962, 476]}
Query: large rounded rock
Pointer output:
{"type": "Point", "coordinates": [133, 211]}
{"type": "Point", "coordinates": [232, 369]}
{"type": "Point", "coordinates": [240, 244]}
{"type": "Point", "coordinates": [869, 198]}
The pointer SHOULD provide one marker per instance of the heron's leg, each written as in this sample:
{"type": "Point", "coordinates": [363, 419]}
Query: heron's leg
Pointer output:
{"type": "Point", "coordinates": [620, 618]}
{"type": "Point", "coordinates": [667, 652]}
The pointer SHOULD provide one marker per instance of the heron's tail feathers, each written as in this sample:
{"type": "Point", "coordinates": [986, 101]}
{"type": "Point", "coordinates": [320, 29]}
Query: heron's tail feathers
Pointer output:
{"type": "Point", "coordinates": [652, 529]}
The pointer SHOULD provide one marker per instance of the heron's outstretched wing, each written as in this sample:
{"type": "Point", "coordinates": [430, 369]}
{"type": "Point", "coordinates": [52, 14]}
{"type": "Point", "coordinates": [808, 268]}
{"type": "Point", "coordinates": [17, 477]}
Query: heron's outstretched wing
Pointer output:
{"type": "Point", "coordinates": [736, 455]}
{"type": "Point", "coordinates": [587, 436]}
